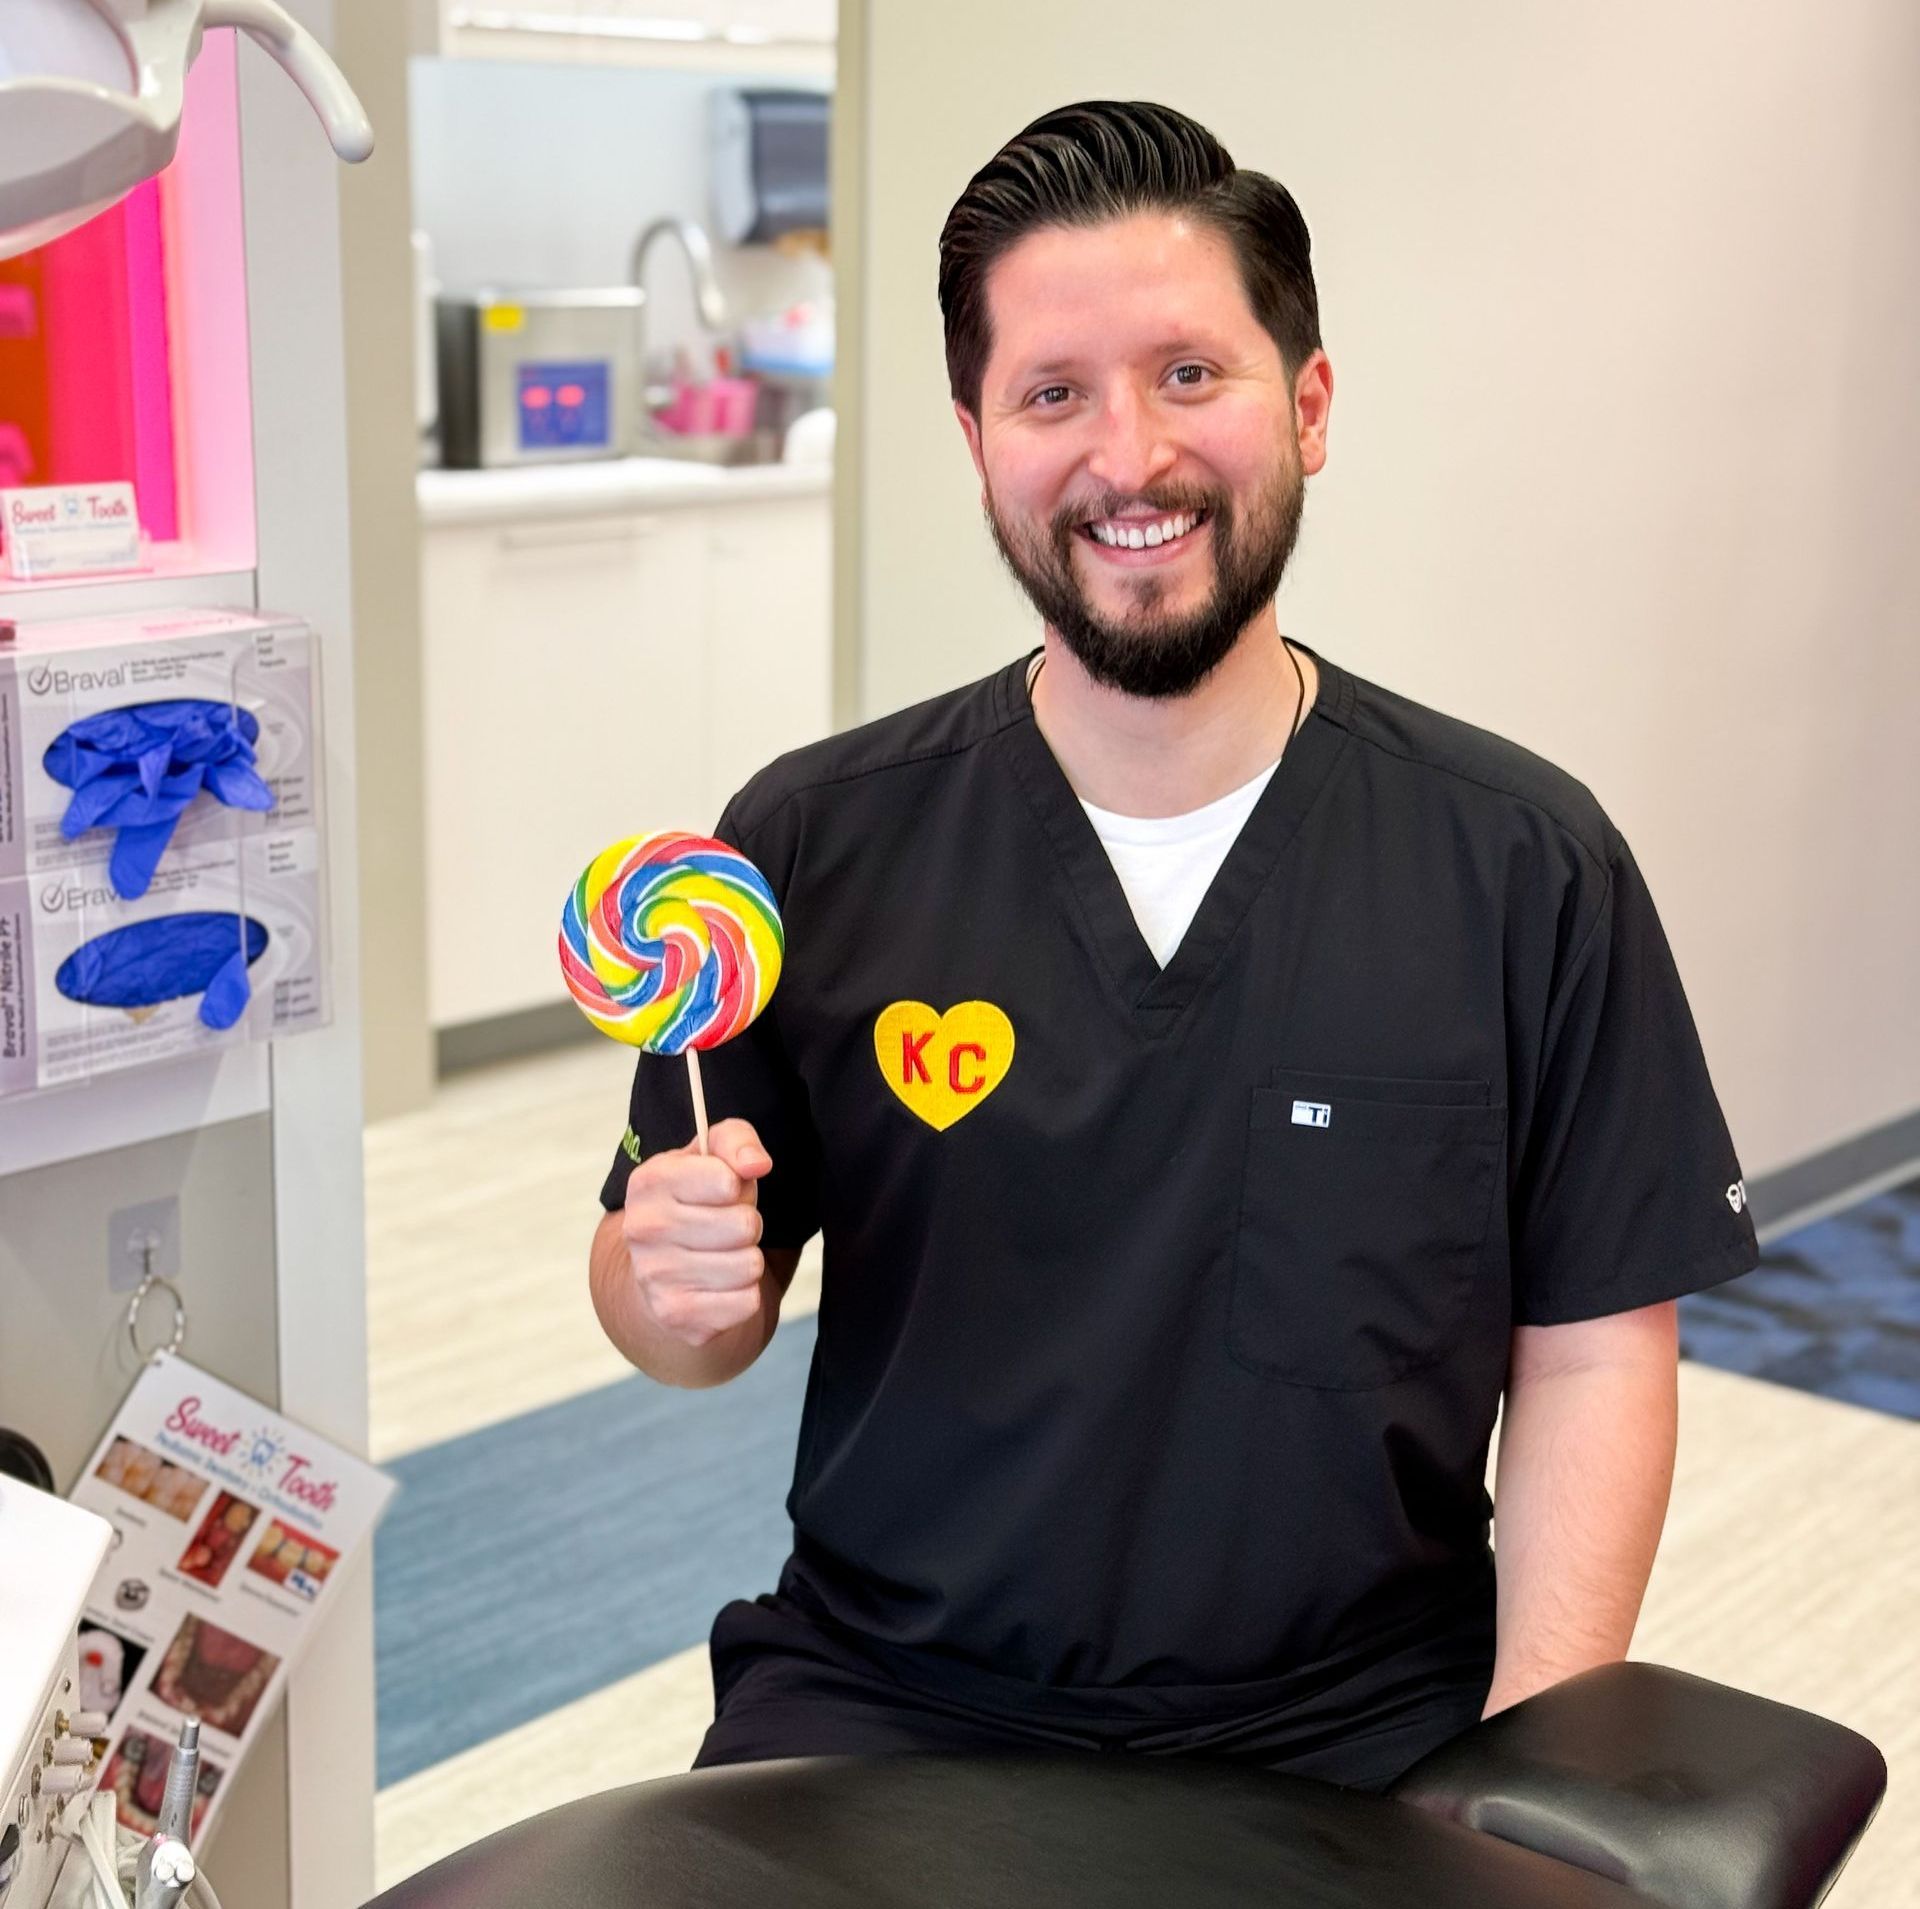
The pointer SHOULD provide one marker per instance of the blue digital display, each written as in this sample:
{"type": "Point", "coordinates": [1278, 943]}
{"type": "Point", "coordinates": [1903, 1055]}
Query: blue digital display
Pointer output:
{"type": "Point", "coordinates": [565, 404]}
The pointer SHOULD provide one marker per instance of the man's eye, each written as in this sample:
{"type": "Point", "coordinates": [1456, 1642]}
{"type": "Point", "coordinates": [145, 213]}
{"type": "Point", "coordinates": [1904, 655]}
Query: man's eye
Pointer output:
{"type": "Point", "coordinates": [1048, 392]}
{"type": "Point", "coordinates": [1179, 372]}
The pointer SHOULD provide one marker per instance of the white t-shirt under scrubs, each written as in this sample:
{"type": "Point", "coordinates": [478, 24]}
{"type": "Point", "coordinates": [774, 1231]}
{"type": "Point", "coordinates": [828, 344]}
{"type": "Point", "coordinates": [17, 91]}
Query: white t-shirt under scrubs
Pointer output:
{"type": "Point", "coordinates": [1166, 863]}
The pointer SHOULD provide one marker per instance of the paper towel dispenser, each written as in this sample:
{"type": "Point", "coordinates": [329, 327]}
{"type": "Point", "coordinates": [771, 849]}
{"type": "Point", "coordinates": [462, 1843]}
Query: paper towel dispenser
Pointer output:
{"type": "Point", "coordinates": [769, 158]}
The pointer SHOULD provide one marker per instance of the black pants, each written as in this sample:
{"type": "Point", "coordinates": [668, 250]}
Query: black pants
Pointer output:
{"type": "Point", "coordinates": [785, 1686]}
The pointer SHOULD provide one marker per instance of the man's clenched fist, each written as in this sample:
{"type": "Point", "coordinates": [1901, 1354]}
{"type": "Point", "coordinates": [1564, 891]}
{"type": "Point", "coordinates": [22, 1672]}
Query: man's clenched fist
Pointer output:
{"type": "Point", "coordinates": [692, 1227]}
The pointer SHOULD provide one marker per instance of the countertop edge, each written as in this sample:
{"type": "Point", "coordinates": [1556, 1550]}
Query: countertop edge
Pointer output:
{"type": "Point", "coordinates": [615, 487]}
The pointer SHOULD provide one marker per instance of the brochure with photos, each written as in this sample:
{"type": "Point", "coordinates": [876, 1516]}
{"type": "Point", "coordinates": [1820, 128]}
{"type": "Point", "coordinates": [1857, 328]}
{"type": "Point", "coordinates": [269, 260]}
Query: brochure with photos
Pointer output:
{"type": "Point", "coordinates": [232, 1528]}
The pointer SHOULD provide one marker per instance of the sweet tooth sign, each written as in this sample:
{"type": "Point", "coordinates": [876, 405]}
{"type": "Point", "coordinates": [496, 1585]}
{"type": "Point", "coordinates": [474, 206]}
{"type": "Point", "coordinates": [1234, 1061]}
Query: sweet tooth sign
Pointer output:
{"type": "Point", "coordinates": [231, 1527]}
{"type": "Point", "coordinates": [672, 943]}
{"type": "Point", "coordinates": [67, 530]}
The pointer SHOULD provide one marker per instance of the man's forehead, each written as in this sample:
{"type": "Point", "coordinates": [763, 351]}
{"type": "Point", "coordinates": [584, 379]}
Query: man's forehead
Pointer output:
{"type": "Point", "coordinates": [1132, 286]}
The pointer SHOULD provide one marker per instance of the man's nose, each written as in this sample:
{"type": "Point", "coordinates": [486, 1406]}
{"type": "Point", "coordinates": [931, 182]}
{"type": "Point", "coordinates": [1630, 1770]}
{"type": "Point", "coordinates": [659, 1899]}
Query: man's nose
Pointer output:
{"type": "Point", "coordinates": [1132, 450]}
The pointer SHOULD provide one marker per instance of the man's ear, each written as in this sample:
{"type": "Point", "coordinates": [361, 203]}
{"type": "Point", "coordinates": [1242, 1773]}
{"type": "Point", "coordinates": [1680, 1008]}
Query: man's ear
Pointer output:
{"type": "Point", "coordinates": [971, 430]}
{"type": "Point", "coordinates": [1312, 406]}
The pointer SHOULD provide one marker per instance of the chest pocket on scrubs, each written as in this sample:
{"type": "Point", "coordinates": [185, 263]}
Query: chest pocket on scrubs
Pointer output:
{"type": "Point", "coordinates": [1364, 1211]}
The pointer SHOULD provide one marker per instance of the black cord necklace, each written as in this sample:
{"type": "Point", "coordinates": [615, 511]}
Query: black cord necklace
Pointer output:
{"type": "Point", "coordinates": [1300, 716]}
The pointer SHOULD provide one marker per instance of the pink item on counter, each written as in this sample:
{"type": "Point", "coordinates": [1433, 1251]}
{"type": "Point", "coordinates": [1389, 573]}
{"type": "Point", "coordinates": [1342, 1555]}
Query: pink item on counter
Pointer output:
{"type": "Point", "coordinates": [720, 407]}
{"type": "Point", "coordinates": [691, 412]}
{"type": "Point", "coordinates": [735, 401]}
{"type": "Point", "coordinates": [671, 417]}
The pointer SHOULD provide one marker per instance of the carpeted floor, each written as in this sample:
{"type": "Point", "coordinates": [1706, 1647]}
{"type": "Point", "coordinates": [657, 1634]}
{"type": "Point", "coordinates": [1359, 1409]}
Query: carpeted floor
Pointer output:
{"type": "Point", "coordinates": [1833, 1308]}
{"type": "Point", "coordinates": [544, 1557]}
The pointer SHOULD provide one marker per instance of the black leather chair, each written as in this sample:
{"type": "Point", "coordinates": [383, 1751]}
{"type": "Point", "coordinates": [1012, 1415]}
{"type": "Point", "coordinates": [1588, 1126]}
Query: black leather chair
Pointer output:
{"type": "Point", "coordinates": [1629, 1787]}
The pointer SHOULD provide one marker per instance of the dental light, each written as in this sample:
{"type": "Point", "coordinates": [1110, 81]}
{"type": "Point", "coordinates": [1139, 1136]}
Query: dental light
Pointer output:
{"type": "Point", "coordinates": [90, 97]}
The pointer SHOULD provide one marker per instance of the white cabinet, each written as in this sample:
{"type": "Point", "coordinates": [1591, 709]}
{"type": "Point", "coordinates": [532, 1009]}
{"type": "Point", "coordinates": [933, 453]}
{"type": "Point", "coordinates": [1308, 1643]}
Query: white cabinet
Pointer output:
{"type": "Point", "coordinates": [769, 636]}
{"type": "Point", "coordinates": [749, 36]}
{"type": "Point", "coordinates": [593, 677]}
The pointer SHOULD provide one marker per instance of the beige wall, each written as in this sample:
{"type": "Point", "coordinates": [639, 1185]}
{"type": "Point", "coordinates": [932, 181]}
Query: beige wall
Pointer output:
{"type": "Point", "coordinates": [1621, 305]}
{"type": "Point", "coordinates": [376, 269]}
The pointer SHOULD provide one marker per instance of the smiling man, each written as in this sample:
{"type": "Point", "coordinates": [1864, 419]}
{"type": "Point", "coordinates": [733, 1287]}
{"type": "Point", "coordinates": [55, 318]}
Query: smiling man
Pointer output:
{"type": "Point", "coordinates": [1218, 1081]}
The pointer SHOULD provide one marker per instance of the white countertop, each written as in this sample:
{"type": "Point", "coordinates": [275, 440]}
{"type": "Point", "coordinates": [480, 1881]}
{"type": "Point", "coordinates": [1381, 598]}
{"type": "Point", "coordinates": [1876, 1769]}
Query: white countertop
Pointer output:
{"type": "Point", "coordinates": [608, 484]}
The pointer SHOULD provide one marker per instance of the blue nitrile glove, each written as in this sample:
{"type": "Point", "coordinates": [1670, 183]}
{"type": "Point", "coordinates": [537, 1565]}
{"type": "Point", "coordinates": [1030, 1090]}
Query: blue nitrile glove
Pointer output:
{"type": "Point", "coordinates": [149, 962]}
{"type": "Point", "coordinates": [136, 770]}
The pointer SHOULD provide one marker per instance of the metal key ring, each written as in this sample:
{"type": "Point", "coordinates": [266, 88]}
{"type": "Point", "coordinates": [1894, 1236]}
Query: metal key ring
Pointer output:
{"type": "Point", "coordinates": [179, 1317]}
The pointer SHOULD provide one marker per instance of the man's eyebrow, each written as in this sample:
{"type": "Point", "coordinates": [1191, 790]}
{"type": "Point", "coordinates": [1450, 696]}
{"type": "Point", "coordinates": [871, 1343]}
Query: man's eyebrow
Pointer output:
{"type": "Point", "coordinates": [1169, 348]}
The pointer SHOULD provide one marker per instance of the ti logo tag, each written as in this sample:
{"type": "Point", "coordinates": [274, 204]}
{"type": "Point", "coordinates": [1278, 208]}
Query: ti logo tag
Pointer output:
{"type": "Point", "coordinates": [1312, 1113]}
{"type": "Point", "coordinates": [942, 1066]}
{"type": "Point", "coordinates": [1737, 1195]}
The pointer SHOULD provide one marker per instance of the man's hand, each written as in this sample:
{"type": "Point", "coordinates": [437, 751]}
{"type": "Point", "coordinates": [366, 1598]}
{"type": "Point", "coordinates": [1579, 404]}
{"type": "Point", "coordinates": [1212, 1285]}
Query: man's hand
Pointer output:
{"type": "Point", "coordinates": [692, 1227]}
{"type": "Point", "coordinates": [678, 1278]}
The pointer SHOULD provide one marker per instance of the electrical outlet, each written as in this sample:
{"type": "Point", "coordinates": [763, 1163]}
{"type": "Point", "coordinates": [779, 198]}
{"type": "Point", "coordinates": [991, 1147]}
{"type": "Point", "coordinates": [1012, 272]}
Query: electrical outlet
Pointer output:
{"type": "Point", "coordinates": [129, 1230]}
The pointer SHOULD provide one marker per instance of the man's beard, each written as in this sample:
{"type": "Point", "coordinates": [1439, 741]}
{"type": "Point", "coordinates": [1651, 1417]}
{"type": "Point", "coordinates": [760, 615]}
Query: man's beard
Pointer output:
{"type": "Point", "coordinates": [1151, 653]}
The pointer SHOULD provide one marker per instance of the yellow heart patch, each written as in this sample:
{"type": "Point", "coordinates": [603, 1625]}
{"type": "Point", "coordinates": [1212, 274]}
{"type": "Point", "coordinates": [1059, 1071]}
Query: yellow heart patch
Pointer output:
{"type": "Point", "coordinates": [943, 1065]}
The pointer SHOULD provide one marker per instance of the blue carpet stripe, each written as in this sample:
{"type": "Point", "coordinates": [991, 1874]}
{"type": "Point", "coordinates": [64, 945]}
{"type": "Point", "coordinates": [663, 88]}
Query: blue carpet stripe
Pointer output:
{"type": "Point", "coordinates": [1833, 1308]}
{"type": "Point", "coordinates": [536, 1561]}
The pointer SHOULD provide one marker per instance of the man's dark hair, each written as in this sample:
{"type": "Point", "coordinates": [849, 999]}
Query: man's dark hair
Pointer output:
{"type": "Point", "coordinates": [1107, 159]}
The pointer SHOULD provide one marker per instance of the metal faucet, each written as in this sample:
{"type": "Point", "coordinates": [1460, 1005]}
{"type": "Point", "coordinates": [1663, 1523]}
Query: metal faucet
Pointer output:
{"type": "Point", "coordinates": [714, 315]}
{"type": "Point", "coordinates": [707, 293]}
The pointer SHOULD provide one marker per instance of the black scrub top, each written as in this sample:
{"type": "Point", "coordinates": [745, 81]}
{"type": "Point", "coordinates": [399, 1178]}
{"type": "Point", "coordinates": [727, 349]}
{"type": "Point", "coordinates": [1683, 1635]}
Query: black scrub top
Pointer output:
{"type": "Point", "coordinates": [1166, 1313]}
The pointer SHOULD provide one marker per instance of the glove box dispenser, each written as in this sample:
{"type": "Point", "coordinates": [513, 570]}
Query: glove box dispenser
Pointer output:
{"type": "Point", "coordinates": [162, 882]}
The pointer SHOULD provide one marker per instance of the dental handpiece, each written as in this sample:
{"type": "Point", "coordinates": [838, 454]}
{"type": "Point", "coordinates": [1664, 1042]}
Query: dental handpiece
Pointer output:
{"type": "Point", "coordinates": [183, 1774]}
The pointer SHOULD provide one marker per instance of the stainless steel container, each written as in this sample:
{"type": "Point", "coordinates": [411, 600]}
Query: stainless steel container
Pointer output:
{"type": "Point", "coordinates": [538, 377]}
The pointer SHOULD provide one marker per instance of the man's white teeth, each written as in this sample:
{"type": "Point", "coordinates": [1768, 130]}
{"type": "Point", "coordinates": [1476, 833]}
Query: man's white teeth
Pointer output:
{"type": "Point", "coordinates": [1131, 536]}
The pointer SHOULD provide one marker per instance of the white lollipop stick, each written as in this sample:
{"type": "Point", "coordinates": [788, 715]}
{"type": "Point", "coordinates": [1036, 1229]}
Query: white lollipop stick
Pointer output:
{"type": "Point", "coordinates": [699, 1097]}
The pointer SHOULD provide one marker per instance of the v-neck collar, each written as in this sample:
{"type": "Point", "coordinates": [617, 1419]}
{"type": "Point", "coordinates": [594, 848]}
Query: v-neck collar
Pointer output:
{"type": "Point", "coordinates": [1157, 996]}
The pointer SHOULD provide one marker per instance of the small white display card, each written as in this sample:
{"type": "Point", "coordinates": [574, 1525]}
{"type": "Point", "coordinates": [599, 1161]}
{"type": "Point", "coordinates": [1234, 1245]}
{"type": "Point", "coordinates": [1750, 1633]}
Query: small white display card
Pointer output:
{"type": "Point", "coordinates": [233, 1528]}
{"type": "Point", "coordinates": [70, 530]}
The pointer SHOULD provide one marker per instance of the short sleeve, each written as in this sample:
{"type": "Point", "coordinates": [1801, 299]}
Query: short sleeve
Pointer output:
{"type": "Point", "coordinates": [1629, 1191]}
{"type": "Point", "coordinates": [750, 1078]}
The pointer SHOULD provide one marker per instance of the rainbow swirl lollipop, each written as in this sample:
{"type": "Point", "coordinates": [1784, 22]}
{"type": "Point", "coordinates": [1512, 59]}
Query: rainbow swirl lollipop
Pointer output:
{"type": "Point", "coordinates": [671, 942]}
